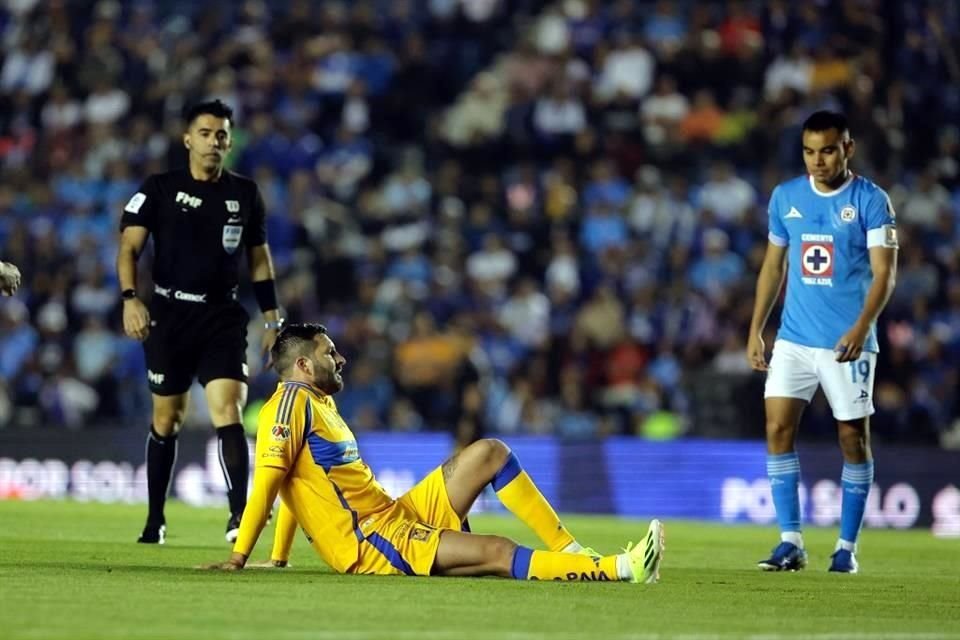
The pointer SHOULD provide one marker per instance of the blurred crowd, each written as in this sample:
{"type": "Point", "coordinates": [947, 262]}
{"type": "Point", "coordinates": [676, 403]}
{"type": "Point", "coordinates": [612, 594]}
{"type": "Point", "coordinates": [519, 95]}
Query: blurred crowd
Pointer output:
{"type": "Point", "coordinates": [546, 214]}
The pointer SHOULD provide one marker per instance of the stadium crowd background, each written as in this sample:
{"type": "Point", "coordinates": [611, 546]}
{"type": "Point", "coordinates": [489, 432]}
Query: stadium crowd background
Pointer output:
{"type": "Point", "coordinates": [569, 195]}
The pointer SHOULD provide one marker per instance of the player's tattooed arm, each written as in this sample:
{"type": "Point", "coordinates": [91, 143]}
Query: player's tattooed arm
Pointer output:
{"type": "Point", "coordinates": [450, 466]}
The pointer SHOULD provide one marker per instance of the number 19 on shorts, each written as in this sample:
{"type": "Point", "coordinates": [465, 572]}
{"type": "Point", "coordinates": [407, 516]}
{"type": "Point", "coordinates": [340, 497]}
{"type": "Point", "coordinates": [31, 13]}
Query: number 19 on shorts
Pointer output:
{"type": "Point", "coordinates": [860, 371]}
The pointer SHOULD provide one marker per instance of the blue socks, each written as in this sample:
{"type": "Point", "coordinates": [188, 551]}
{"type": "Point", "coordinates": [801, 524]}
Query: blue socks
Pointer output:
{"type": "Point", "coordinates": [783, 470]}
{"type": "Point", "coordinates": [855, 481]}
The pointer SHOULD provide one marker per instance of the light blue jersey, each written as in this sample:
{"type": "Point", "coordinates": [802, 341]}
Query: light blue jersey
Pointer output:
{"type": "Point", "coordinates": [828, 273]}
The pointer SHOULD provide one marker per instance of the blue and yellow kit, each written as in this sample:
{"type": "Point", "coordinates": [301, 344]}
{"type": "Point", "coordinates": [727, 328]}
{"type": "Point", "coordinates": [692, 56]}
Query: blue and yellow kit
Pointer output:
{"type": "Point", "coordinates": [351, 521]}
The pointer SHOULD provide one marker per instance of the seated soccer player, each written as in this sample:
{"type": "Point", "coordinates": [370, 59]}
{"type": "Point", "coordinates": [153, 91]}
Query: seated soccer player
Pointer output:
{"type": "Point", "coordinates": [307, 454]}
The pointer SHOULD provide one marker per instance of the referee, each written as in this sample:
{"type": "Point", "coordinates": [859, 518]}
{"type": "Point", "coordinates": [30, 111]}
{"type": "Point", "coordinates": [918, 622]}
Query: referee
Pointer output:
{"type": "Point", "coordinates": [193, 327]}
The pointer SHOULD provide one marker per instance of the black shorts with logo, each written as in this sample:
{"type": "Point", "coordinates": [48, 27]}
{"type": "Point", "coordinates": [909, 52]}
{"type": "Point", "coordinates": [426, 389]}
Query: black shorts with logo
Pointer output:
{"type": "Point", "coordinates": [191, 339]}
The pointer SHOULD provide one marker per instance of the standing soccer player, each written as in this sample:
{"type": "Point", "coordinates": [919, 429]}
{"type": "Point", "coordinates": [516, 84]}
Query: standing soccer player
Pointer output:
{"type": "Point", "coordinates": [834, 234]}
{"type": "Point", "coordinates": [200, 219]}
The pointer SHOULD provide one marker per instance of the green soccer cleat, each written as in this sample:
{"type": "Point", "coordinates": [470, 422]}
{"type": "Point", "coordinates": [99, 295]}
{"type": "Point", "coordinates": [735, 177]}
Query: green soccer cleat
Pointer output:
{"type": "Point", "coordinates": [590, 551]}
{"type": "Point", "coordinates": [645, 558]}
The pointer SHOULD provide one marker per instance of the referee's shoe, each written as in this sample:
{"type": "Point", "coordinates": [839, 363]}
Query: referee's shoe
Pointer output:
{"type": "Point", "coordinates": [153, 534]}
{"type": "Point", "coordinates": [233, 527]}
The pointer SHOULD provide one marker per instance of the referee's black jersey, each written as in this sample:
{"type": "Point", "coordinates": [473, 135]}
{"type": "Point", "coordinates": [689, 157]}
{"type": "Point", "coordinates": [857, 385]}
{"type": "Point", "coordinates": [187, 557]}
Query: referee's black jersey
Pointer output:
{"type": "Point", "coordinates": [199, 228]}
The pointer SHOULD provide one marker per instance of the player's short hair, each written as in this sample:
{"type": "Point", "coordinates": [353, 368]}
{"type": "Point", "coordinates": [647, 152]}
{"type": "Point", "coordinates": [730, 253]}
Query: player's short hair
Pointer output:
{"type": "Point", "coordinates": [216, 108]}
{"type": "Point", "coordinates": [826, 120]}
{"type": "Point", "coordinates": [293, 341]}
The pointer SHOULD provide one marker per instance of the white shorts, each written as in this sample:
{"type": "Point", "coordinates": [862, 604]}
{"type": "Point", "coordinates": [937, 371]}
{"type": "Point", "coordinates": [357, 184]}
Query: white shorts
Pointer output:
{"type": "Point", "coordinates": [796, 370]}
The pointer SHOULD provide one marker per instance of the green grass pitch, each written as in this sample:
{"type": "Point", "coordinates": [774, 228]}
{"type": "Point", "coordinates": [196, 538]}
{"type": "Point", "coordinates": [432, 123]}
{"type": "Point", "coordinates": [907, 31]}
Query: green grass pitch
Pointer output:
{"type": "Point", "coordinates": [71, 570]}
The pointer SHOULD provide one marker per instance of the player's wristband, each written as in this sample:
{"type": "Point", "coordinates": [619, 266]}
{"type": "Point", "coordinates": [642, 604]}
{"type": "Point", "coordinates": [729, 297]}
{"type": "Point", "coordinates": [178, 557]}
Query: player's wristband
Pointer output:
{"type": "Point", "coordinates": [274, 324]}
{"type": "Point", "coordinates": [265, 292]}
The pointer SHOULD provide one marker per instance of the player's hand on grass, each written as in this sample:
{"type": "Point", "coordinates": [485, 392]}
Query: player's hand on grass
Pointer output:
{"type": "Point", "coordinates": [9, 278]}
{"type": "Point", "coordinates": [222, 566]}
{"type": "Point", "coordinates": [756, 353]}
{"type": "Point", "coordinates": [850, 347]}
{"type": "Point", "coordinates": [270, 564]}
{"type": "Point", "coordinates": [136, 319]}
{"type": "Point", "coordinates": [235, 563]}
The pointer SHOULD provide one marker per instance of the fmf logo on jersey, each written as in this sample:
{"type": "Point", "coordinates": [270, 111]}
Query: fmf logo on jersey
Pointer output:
{"type": "Point", "coordinates": [280, 432]}
{"type": "Point", "coordinates": [154, 377]}
{"type": "Point", "coordinates": [189, 200]}
{"type": "Point", "coordinates": [848, 213]}
{"type": "Point", "coordinates": [816, 259]}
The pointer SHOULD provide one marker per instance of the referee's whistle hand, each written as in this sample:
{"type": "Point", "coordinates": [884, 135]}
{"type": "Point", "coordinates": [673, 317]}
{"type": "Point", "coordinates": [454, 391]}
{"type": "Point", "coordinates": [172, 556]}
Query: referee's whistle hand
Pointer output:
{"type": "Point", "coordinates": [136, 319]}
{"type": "Point", "coordinates": [266, 344]}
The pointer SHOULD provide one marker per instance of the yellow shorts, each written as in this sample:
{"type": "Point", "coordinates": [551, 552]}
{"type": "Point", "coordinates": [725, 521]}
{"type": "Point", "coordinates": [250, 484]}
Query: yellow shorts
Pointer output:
{"type": "Point", "coordinates": [403, 539]}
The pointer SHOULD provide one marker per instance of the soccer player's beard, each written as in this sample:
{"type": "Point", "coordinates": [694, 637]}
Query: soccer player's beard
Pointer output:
{"type": "Point", "coordinates": [330, 382]}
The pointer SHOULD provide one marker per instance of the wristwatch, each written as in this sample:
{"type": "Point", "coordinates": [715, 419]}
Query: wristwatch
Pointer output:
{"type": "Point", "coordinates": [274, 324]}
{"type": "Point", "coordinates": [128, 294]}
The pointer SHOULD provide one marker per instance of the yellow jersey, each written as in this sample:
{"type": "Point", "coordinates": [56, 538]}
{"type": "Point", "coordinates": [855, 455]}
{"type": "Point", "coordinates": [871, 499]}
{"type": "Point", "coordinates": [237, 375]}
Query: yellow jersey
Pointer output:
{"type": "Point", "coordinates": [328, 487]}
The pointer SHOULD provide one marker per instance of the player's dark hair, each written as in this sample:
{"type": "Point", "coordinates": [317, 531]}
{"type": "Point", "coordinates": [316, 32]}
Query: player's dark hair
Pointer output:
{"type": "Point", "coordinates": [826, 120]}
{"type": "Point", "coordinates": [293, 341]}
{"type": "Point", "coordinates": [216, 108]}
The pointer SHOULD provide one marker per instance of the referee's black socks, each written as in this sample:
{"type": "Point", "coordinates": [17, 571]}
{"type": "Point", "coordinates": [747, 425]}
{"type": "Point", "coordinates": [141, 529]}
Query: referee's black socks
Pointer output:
{"type": "Point", "coordinates": [161, 456]}
{"type": "Point", "coordinates": [235, 462]}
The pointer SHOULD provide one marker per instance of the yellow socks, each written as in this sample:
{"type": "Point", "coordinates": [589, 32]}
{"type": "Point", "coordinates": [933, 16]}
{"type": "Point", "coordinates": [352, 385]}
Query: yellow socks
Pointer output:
{"type": "Point", "coordinates": [550, 565]}
{"type": "Point", "coordinates": [517, 492]}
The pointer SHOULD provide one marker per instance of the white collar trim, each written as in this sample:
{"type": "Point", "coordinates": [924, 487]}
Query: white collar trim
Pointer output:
{"type": "Point", "coordinates": [830, 194]}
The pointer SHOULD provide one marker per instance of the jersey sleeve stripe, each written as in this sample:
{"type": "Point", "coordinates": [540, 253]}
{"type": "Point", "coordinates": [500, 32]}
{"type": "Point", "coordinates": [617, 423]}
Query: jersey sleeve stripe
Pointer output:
{"type": "Point", "coordinates": [285, 406]}
{"type": "Point", "coordinates": [288, 410]}
{"type": "Point", "coordinates": [282, 405]}
{"type": "Point", "coordinates": [777, 240]}
{"type": "Point", "coordinates": [308, 421]}
{"type": "Point", "coordinates": [301, 385]}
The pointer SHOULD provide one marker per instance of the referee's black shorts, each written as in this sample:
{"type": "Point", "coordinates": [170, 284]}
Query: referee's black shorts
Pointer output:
{"type": "Point", "coordinates": [190, 340]}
